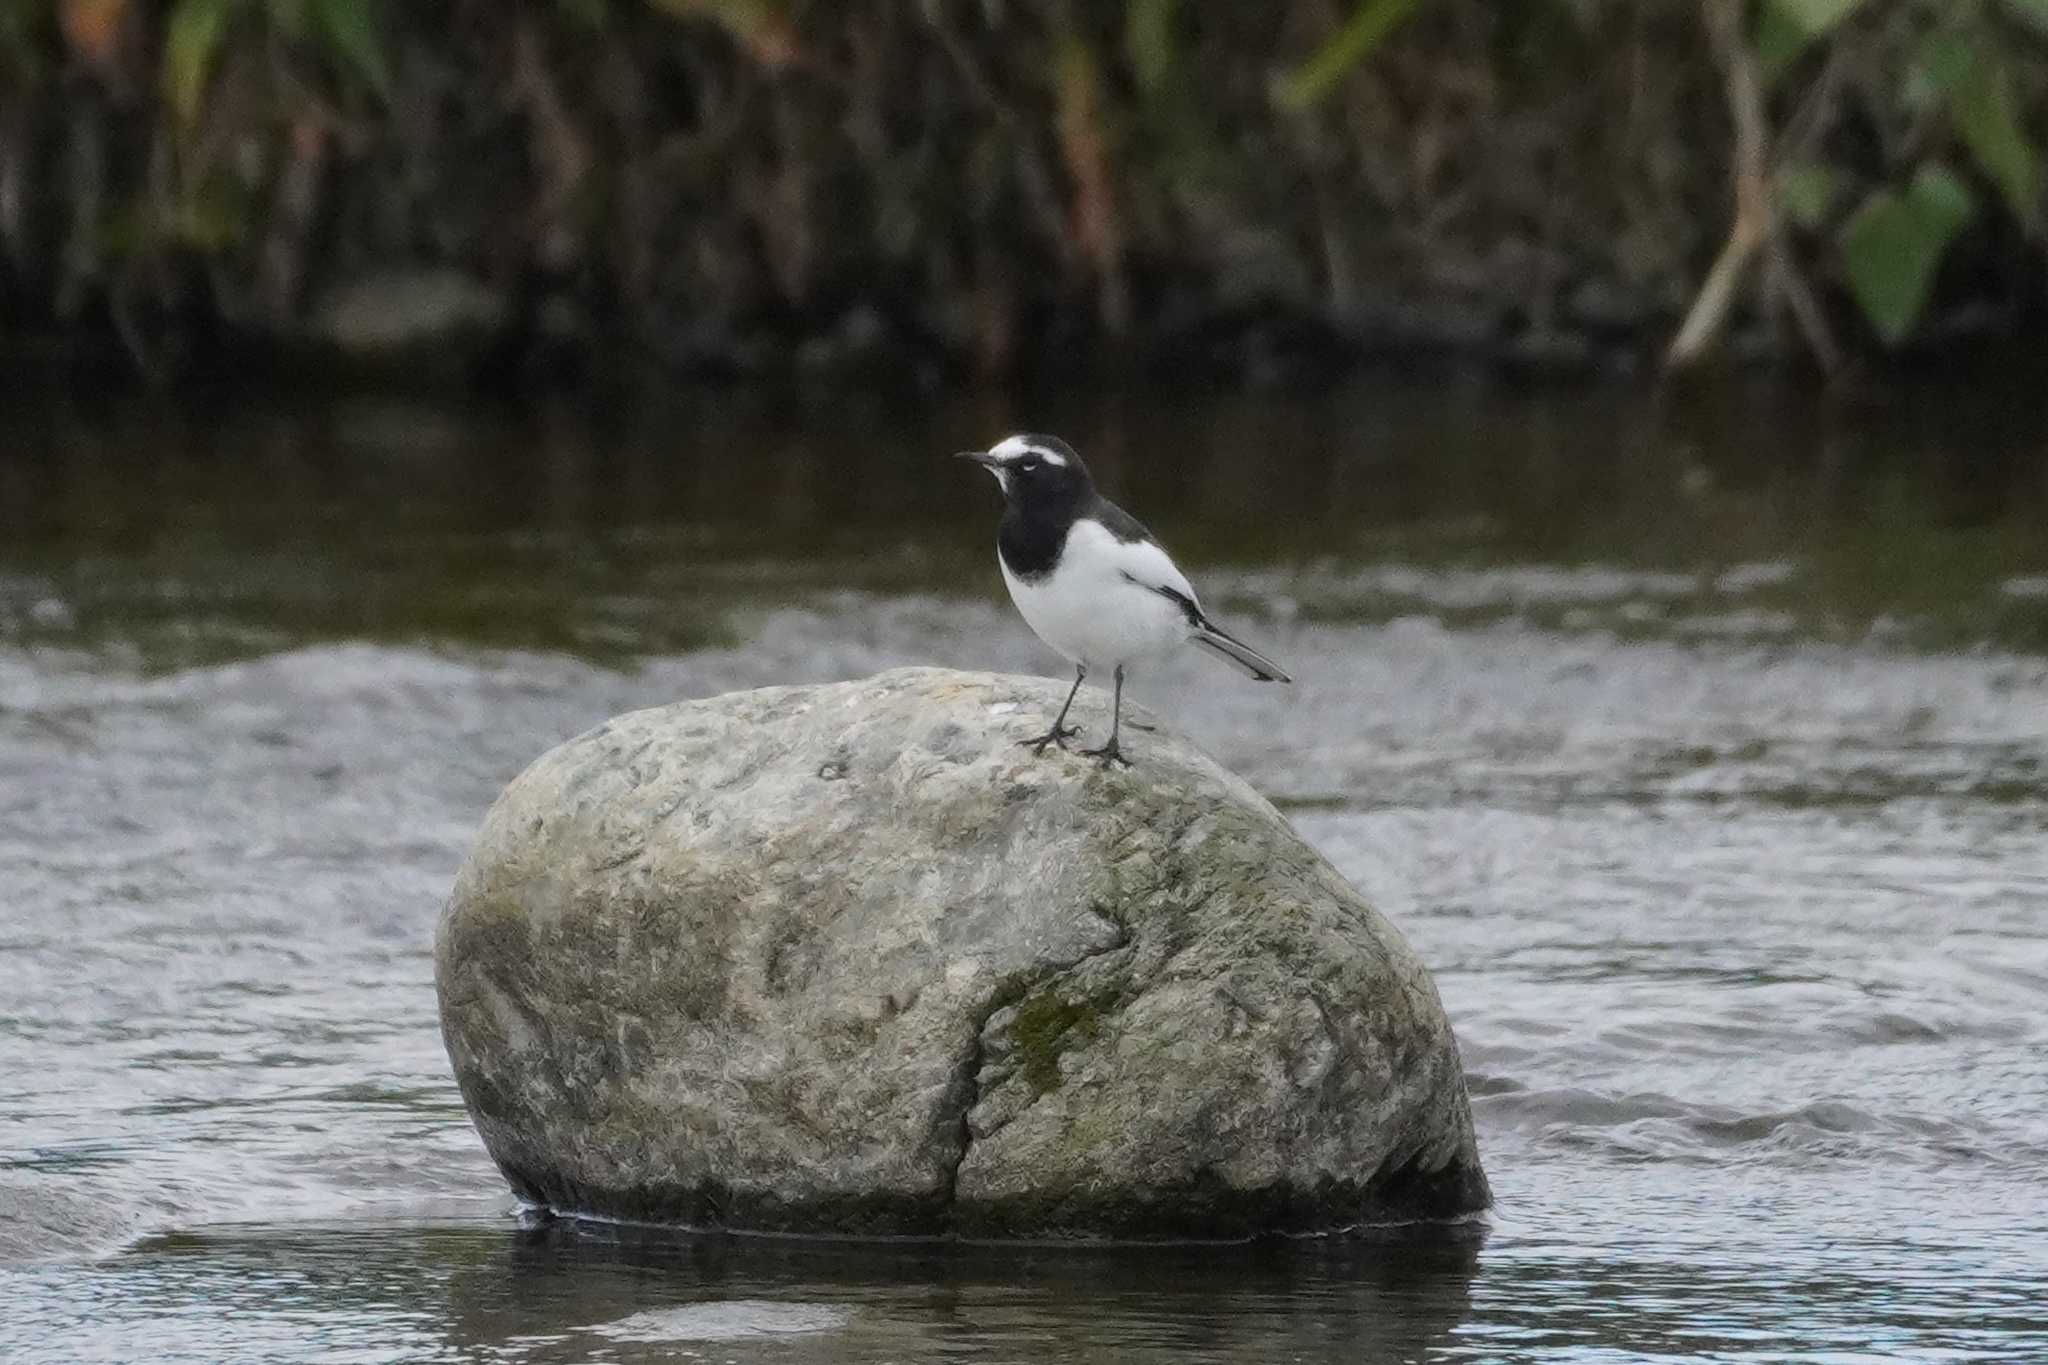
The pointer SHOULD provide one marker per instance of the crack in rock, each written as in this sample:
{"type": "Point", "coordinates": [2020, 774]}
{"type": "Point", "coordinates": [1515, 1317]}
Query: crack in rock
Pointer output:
{"type": "Point", "coordinates": [967, 1076]}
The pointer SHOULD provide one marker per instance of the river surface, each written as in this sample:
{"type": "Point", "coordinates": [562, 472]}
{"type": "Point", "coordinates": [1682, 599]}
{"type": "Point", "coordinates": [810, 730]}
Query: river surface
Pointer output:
{"type": "Point", "coordinates": [1701, 750]}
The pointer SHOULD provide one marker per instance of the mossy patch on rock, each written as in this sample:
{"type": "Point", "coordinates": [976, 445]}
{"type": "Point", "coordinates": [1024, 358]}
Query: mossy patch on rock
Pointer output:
{"type": "Point", "coordinates": [1047, 1024]}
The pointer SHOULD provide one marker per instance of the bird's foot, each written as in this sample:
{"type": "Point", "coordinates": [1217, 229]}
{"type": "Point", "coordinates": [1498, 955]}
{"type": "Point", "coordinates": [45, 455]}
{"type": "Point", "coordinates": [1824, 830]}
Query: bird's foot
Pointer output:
{"type": "Point", "coordinates": [1108, 753]}
{"type": "Point", "coordinates": [1059, 734]}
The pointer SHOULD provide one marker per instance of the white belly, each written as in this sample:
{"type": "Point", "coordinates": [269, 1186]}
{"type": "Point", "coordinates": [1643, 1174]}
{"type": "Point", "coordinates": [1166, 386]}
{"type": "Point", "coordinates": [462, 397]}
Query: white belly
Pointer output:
{"type": "Point", "coordinates": [1089, 612]}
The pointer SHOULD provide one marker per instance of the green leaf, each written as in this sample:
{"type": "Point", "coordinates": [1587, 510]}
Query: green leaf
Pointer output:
{"type": "Point", "coordinates": [205, 224]}
{"type": "Point", "coordinates": [1816, 17]}
{"type": "Point", "coordinates": [590, 14]}
{"type": "Point", "coordinates": [289, 18]}
{"type": "Point", "coordinates": [1948, 57]}
{"type": "Point", "coordinates": [192, 40]}
{"type": "Point", "coordinates": [26, 39]}
{"type": "Point", "coordinates": [353, 29]}
{"type": "Point", "coordinates": [764, 27]}
{"type": "Point", "coordinates": [1150, 43]}
{"type": "Point", "coordinates": [1361, 35]}
{"type": "Point", "coordinates": [1988, 117]}
{"type": "Point", "coordinates": [1893, 245]}
{"type": "Point", "coordinates": [23, 22]}
{"type": "Point", "coordinates": [1807, 192]}
{"type": "Point", "coordinates": [1985, 108]}
{"type": "Point", "coordinates": [1777, 42]}
{"type": "Point", "coordinates": [740, 16]}
{"type": "Point", "coordinates": [2034, 12]}
{"type": "Point", "coordinates": [1786, 28]}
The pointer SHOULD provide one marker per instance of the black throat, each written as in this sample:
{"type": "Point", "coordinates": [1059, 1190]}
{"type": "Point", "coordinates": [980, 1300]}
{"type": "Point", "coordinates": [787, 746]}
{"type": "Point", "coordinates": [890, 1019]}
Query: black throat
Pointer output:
{"type": "Point", "coordinates": [1034, 530]}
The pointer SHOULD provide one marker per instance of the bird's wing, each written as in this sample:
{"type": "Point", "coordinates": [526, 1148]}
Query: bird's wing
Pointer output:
{"type": "Point", "coordinates": [1140, 560]}
{"type": "Point", "coordinates": [1117, 521]}
{"type": "Point", "coordinates": [1207, 633]}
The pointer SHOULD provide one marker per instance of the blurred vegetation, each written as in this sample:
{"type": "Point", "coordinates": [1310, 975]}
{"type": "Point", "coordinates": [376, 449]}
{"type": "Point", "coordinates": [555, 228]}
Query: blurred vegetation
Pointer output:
{"type": "Point", "coordinates": [936, 188]}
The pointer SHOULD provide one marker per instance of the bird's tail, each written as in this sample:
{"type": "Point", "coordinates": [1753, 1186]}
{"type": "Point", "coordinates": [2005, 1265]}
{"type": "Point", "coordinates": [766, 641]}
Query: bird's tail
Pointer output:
{"type": "Point", "coordinates": [1227, 646]}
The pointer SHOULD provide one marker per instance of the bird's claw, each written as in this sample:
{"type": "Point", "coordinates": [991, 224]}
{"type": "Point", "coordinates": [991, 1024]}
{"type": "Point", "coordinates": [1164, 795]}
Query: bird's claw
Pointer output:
{"type": "Point", "coordinates": [1108, 753]}
{"type": "Point", "coordinates": [1059, 734]}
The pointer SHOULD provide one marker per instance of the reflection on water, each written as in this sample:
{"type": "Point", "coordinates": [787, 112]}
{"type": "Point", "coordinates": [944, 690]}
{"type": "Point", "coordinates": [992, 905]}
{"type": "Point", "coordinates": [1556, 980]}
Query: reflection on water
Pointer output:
{"type": "Point", "coordinates": [471, 1291]}
{"type": "Point", "coordinates": [181, 536]}
{"type": "Point", "coordinates": [1556, 1286]}
{"type": "Point", "coordinates": [1644, 727]}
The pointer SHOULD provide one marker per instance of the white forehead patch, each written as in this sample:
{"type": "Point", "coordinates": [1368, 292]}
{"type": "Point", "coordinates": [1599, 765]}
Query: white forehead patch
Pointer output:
{"type": "Point", "coordinates": [1017, 447]}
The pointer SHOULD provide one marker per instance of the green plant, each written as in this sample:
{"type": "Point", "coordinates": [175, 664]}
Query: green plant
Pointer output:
{"type": "Point", "coordinates": [346, 35]}
{"type": "Point", "coordinates": [1935, 79]}
{"type": "Point", "coordinates": [26, 29]}
{"type": "Point", "coordinates": [764, 28]}
{"type": "Point", "coordinates": [1946, 62]}
{"type": "Point", "coordinates": [1354, 41]}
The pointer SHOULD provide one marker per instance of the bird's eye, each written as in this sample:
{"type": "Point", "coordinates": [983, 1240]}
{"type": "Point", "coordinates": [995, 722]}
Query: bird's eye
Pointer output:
{"type": "Point", "coordinates": [1028, 464]}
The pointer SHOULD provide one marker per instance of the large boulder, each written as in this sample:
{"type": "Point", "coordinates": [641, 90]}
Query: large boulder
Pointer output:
{"type": "Point", "coordinates": [849, 959]}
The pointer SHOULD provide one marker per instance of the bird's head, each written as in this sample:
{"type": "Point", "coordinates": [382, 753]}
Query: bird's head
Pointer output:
{"type": "Point", "coordinates": [1034, 470]}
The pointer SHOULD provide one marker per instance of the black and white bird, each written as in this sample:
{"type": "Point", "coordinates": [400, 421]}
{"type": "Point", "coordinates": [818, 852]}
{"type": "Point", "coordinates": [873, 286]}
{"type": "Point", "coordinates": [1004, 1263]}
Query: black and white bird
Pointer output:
{"type": "Point", "coordinates": [1091, 580]}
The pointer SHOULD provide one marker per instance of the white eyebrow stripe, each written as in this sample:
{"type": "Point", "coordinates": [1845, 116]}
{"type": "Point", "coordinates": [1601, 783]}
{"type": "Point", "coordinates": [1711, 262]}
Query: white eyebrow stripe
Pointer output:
{"type": "Point", "coordinates": [1017, 447]}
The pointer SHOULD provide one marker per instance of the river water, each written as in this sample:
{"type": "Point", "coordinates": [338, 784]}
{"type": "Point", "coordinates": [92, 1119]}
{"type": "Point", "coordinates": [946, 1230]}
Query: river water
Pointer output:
{"type": "Point", "coordinates": [1702, 752]}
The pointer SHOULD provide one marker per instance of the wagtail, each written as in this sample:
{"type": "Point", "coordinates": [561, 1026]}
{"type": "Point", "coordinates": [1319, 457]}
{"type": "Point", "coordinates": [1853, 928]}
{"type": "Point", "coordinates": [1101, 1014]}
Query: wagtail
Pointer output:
{"type": "Point", "coordinates": [1091, 580]}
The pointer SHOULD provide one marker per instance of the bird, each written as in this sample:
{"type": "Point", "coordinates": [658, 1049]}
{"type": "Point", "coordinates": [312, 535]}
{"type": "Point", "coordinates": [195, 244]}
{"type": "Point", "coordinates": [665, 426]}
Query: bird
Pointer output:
{"type": "Point", "coordinates": [1092, 582]}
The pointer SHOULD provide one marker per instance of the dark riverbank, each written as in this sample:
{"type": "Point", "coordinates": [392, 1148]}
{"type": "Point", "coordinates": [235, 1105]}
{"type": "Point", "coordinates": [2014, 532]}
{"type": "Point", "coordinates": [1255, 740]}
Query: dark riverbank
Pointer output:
{"type": "Point", "coordinates": [924, 193]}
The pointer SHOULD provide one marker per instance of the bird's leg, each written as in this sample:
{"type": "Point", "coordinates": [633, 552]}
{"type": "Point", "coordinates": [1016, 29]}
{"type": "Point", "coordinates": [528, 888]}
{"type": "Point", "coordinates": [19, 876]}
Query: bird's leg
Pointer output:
{"type": "Point", "coordinates": [1061, 731]}
{"type": "Point", "coordinates": [1110, 753]}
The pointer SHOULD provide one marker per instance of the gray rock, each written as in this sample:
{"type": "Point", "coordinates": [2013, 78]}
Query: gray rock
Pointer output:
{"type": "Point", "coordinates": [396, 314]}
{"type": "Point", "coordinates": [849, 959]}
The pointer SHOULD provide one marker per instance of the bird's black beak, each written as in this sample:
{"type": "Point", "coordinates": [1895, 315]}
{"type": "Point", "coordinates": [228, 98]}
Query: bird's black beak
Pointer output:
{"type": "Point", "coordinates": [980, 457]}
